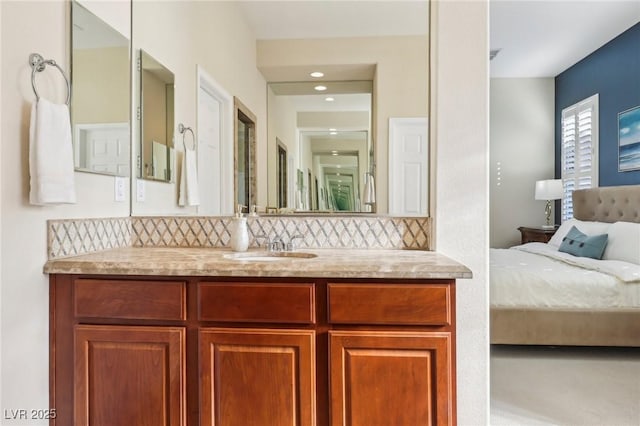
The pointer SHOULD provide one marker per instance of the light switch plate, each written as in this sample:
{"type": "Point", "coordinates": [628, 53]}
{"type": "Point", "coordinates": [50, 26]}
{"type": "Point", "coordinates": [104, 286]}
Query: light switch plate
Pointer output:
{"type": "Point", "coordinates": [120, 189]}
{"type": "Point", "coordinates": [140, 190]}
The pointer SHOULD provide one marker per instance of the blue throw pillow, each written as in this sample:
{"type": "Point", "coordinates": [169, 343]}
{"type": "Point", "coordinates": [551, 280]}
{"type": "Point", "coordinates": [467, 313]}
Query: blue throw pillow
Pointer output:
{"type": "Point", "coordinates": [582, 245]}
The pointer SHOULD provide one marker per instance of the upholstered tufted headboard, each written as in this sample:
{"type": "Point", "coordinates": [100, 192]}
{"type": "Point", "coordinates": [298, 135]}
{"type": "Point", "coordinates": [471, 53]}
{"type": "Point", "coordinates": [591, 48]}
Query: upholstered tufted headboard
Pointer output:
{"type": "Point", "coordinates": [608, 204]}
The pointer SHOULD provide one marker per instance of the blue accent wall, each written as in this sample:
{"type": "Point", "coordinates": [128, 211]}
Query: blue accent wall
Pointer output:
{"type": "Point", "coordinates": [613, 71]}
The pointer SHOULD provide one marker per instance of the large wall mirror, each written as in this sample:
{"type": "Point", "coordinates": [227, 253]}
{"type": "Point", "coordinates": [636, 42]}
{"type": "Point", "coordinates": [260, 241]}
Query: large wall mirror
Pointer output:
{"type": "Point", "coordinates": [100, 72]}
{"type": "Point", "coordinates": [300, 163]}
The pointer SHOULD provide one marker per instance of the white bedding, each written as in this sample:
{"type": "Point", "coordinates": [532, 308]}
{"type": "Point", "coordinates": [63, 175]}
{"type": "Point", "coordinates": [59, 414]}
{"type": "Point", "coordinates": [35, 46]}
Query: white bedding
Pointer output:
{"type": "Point", "coordinates": [537, 275]}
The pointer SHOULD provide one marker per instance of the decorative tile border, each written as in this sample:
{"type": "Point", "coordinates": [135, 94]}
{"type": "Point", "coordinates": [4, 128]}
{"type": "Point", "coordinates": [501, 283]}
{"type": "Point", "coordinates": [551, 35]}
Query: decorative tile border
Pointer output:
{"type": "Point", "coordinates": [71, 237]}
{"type": "Point", "coordinates": [79, 236]}
{"type": "Point", "coordinates": [181, 231]}
{"type": "Point", "coordinates": [316, 231]}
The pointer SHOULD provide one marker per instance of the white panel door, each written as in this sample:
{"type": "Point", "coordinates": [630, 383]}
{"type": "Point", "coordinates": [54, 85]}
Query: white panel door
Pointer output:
{"type": "Point", "coordinates": [209, 157]}
{"type": "Point", "coordinates": [408, 166]}
{"type": "Point", "coordinates": [103, 148]}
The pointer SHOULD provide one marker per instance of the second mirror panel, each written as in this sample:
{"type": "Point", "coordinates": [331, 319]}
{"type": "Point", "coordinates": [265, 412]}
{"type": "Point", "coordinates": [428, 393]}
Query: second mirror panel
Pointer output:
{"type": "Point", "coordinates": [157, 159]}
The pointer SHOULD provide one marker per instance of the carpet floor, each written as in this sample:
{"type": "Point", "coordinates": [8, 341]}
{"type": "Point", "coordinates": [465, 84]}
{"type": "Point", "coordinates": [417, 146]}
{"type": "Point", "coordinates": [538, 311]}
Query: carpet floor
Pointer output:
{"type": "Point", "coordinates": [572, 386]}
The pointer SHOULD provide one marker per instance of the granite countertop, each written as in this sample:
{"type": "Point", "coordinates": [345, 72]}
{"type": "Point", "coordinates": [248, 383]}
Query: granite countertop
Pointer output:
{"type": "Point", "coordinates": [328, 263]}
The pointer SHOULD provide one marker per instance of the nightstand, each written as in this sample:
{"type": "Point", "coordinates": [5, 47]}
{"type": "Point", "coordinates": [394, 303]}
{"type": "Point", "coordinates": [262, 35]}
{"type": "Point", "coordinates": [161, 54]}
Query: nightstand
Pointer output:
{"type": "Point", "coordinates": [536, 234]}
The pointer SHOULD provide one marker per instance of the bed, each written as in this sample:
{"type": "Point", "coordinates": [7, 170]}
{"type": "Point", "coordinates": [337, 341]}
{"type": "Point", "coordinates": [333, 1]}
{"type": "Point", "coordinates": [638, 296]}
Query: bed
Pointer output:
{"type": "Point", "coordinates": [543, 296]}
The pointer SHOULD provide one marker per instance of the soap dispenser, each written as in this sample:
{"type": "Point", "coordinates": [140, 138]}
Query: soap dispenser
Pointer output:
{"type": "Point", "coordinates": [239, 231]}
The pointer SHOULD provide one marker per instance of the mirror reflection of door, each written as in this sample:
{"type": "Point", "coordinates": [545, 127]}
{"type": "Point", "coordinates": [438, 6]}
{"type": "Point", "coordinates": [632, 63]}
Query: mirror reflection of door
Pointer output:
{"type": "Point", "coordinates": [282, 174]}
{"type": "Point", "coordinates": [245, 155]}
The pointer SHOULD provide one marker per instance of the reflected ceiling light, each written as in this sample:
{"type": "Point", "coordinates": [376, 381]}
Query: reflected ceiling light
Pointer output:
{"type": "Point", "coordinates": [333, 133]}
{"type": "Point", "coordinates": [320, 88]}
{"type": "Point", "coordinates": [334, 152]}
{"type": "Point", "coordinates": [329, 99]}
{"type": "Point", "coordinates": [317, 74]}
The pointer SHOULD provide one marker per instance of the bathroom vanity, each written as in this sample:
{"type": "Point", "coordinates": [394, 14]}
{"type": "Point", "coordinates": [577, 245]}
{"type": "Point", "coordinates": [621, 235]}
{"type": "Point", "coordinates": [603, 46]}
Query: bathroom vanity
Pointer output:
{"type": "Point", "coordinates": [185, 336]}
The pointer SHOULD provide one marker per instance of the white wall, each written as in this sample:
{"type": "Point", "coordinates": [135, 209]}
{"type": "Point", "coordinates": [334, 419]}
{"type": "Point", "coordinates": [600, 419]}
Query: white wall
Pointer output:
{"type": "Point", "coordinates": [28, 27]}
{"type": "Point", "coordinates": [281, 125]}
{"type": "Point", "coordinates": [459, 129]}
{"type": "Point", "coordinates": [521, 151]}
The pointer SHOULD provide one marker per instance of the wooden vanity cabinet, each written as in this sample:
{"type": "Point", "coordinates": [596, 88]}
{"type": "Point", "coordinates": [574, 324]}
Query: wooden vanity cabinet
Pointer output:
{"type": "Point", "coordinates": [257, 377]}
{"type": "Point", "coordinates": [252, 351]}
{"type": "Point", "coordinates": [117, 351]}
{"type": "Point", "coordinates": [392, 353]}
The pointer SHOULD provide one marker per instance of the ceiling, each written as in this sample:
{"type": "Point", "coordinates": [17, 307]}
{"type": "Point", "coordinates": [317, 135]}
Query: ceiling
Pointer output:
{"type": "Point", "coordinates": [544, 38]}
{"type": "Point", "coordinates": [344, 18]}
{"type": "Point", "coordinates": [538, 38]}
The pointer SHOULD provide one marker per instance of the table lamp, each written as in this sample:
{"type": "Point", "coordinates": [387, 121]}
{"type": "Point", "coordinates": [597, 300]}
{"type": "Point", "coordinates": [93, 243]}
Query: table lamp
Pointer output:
{"type": "Point", "coordinates": [550, 189]}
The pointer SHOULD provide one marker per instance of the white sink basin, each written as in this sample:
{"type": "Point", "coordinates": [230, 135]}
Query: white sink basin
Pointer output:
{"type": "Point", "coordinates": [269, 256]}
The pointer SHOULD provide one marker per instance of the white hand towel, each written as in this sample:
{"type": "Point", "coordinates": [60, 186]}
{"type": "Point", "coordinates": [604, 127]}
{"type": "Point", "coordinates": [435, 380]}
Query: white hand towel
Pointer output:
{"type": "Point", "coordinates": [189, 193]}
{"type": "Point", "coordinates": [50, 154]}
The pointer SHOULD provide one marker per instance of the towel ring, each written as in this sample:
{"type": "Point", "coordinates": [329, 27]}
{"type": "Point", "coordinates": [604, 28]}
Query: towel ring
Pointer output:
{"type": "Point", "coordinates": [183, 130]}
{"type": "Point", "coordinates": [38, 64]}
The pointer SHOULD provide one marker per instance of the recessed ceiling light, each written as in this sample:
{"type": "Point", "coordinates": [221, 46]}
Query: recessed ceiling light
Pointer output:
{"type": "Point", "coordinates": [333, 133]}
{"type": "Point", "coordinates": [332, 129]}
{"type": "Point", "coordinates": [334, 152]}
{"type": "Point", "coordinates": [317, 74]}
{"type": "Point", "coordinates": [329, 99]}
{"type": "Point", "coordinates": [320, 88]}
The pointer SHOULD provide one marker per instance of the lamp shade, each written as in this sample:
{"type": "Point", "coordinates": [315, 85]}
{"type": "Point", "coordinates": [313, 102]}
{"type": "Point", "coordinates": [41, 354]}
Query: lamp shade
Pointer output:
{"type": "Point", "coordinates": [550, 189]}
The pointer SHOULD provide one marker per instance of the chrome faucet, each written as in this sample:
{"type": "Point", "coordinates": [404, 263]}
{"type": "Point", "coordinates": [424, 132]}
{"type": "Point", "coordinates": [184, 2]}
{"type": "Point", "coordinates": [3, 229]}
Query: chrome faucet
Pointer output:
{"type": "Point", "coordinates": [290, 245]}
{"type": "Point", "coordinates": [277, 244]}
{"type": "Point", "coordinates": [273, 244]}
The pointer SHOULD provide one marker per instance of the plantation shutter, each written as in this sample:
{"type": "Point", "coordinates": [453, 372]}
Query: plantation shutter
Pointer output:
{"type": "Point", "coordinates": [579, 150]}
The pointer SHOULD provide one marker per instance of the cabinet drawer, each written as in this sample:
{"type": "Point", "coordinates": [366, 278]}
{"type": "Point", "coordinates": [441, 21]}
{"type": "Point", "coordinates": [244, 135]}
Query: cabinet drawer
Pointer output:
{"type": "Point", "coordinates": [130, 299]}
{"type": "Point", "coordinates": [257, 302]}
{"type": "Point", "coordinates": [389, 304]}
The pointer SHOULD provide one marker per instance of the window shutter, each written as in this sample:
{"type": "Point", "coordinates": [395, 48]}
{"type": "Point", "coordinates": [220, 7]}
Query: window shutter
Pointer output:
{"type": "Point", "coordinates": [579, 150]}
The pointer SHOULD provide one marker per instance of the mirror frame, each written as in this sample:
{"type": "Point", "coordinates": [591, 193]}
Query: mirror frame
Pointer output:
{"type": "Point", "coordinates": [244, 115]}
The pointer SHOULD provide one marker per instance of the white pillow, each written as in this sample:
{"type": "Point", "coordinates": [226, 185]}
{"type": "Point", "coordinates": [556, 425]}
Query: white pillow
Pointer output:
{"type": "Point", "coordinates": [588, 228]}
{"type": "Point", "coordinates": [623, 243]}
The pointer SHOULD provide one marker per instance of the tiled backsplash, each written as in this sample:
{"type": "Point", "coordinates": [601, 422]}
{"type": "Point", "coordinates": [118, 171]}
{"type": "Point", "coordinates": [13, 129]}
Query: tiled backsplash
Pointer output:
{"type": "Point", "coordinates": [73, 237]}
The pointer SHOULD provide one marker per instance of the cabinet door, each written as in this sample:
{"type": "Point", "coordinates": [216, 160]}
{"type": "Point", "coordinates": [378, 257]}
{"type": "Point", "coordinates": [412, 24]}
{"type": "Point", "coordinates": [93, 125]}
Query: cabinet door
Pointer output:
{"type": "Point", "coordinates": [128, 375]}
{"type": "Point", "coordinates": [391, 378]}
{"type": "Point", "coordinates": [257, 377]}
